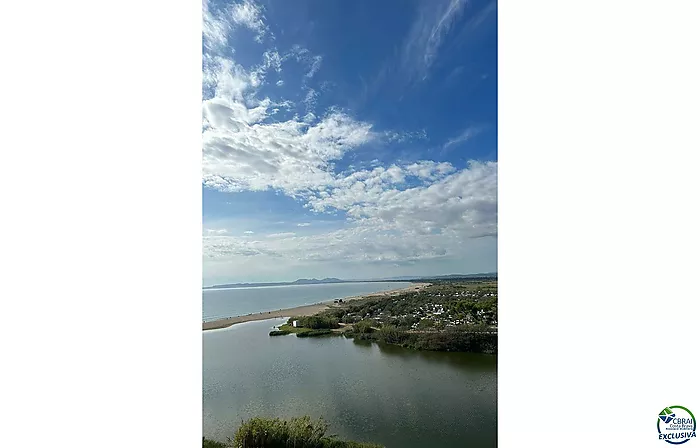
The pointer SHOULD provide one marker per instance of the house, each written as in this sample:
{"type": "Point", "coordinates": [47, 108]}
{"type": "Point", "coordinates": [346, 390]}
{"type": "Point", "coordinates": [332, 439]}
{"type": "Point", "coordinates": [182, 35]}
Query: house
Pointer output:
{"type": "Point", "coordinates": [294, 323]}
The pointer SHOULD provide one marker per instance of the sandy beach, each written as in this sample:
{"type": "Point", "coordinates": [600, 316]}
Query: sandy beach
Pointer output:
{"type": "Point", "coordinates": [305, 310]}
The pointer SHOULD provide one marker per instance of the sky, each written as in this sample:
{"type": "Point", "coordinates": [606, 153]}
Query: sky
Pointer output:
{"type": "Point", "coordinates": [350, 139]}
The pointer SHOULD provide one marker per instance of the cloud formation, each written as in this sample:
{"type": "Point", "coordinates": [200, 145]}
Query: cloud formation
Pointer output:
{"type": "Point", "coordinates": [249, 15]}
{"type": "Point", "coordinates": [394, 212]}
{"type": "Point", "coordinates": [433, 21]}
{"type": "Point", "coordinates": [466, 135]}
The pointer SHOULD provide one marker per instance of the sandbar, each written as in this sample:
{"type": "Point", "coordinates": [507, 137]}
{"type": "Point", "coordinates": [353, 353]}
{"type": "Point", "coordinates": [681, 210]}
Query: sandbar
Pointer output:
{"type": "Point", "coordinates": [304, 310]}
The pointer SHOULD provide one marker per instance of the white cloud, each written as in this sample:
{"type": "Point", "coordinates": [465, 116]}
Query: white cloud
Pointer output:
{"type": "Point", "coordinates": [215, 231]}
{"type": "Point", "coordinates": [249, 15]}
{"type": "Point", "coordinates": [386, 225]}
{"type": "Point", "coordinates": [240, 153]}
{"type": "Point", "coordinates": [271, 60]}
{"type": "Point", "coordinates": [364, 242]}
{"type": "Point", "coordinates": [469, 133]}
{"type": "Point", "coordinates": [397, 213]}
{"type": "Point", "coordinates": [303, 55]}
{"type": "Point", "coordinates": [310, 99]}
{"type": "Point", "coordinates": [425, 38]}
{"type": "Point", "coordinates": [464, 202]}
{"type": "Point", "coordinates": [218, 23]}
{"type": "Point", "coordinates": [427, 169]}
{"type": "Point", "coordinates": [243, 149]}
{"type": "Point", "coordinates": [315, 66]}
{"type": "Point", "coordinates": [215, 28]}
{"type": "Point", "coordinates": [402, 137]}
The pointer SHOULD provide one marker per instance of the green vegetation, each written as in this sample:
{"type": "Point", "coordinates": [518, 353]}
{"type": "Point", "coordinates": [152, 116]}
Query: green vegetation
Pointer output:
{"type": "Point", "coordinates": [311, 333]}
{"type": "Point", "coordinates": [364, 326]}
{"type": "Point", "coordinates": [206, 443]}
{"type": "Point", "coordinates": [449, 315]}
{"type": "Point", "coordinates": [308, 326]}
{"type": "Point", "coordinates": [443, 341]}
{"type": "Point", "coordinates": [279, 332]}
{"type": "Point", "coordinates": [315, 322]}
{"type": "Point", "coordinates": [301, 432]}
{"type": "Point", "coordinates": [289, 329]}
{"type": "Point", "coordinates": [301, 332]}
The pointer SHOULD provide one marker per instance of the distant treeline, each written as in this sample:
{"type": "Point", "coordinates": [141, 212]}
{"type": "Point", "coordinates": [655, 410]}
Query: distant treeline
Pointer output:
{"type": "Point", "coordinates": [453, 279]}
{"type": "Point", "coordinates": [450, 340]}
{"type": "Point", "coordinates": [301, 432]}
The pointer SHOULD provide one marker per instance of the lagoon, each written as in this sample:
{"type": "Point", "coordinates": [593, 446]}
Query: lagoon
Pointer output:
{"type": "Point", "coordinates": [384, 394]}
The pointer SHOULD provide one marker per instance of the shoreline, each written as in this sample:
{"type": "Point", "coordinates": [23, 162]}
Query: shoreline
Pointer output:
{"type": "Point", "coordinates": [303, 310]}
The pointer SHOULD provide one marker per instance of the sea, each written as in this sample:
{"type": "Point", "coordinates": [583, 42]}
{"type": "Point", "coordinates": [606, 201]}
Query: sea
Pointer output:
{"type": "Point", "coordinates": [230, 302]}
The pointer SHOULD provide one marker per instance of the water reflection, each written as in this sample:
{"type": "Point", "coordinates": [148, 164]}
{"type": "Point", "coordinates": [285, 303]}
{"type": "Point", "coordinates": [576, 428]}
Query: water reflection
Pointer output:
{"type": "Point", "coordinates": [394, 396]}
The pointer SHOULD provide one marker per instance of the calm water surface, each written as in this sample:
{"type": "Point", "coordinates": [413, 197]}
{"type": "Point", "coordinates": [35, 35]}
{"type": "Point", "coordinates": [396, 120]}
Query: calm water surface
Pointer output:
{"type": "Point", "coordinates": [220, 303]}
{"type": "Point", "coordinates": [388, 395]}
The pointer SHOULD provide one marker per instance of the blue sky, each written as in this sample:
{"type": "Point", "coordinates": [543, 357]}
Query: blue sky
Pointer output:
{"type": "Point", "coordinates": [353, 139]}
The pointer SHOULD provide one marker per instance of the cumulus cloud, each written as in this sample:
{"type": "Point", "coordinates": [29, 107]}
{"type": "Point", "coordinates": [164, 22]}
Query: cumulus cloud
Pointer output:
{"type": "Point", "coordinates": [427, 169]}
{"type": "Point", "coordinates": [394, 212]}
{"type": "Point", "coordinates": [464, 203]}
{"type": "Point", "coordinates": [366, 242]}
{"type": "Point", "coordinates": [244, 148]}
{"type": "Point", "coordinates": [241, 153]}
{"type": "Point", "coordinates": [387, 224]}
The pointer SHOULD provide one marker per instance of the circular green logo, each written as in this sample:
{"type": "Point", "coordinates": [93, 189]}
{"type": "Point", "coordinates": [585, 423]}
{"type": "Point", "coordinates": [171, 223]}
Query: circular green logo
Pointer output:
{"type": "Point", "coordinates": [676, 425]}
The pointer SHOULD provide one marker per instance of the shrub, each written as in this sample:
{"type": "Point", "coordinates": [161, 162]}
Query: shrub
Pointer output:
{"type": "Point", "coordinates": [279, 332]}
{"type": "Point", "coordinates": [315, 322]}
{"type": "Point", "coordinates": [364, 326]}
{"type": "Point", "coordinates": [312, 333]}
{"type": "Point", "coordinates": [206, 443]}
{"type": "Point", "coordinates": [301, 432]}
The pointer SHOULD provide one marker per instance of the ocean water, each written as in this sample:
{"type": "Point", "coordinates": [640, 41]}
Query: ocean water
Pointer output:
{"type": "Point", "coordinates": [222, 303]}
{"type": "Point", "coordinates": [385, 394]}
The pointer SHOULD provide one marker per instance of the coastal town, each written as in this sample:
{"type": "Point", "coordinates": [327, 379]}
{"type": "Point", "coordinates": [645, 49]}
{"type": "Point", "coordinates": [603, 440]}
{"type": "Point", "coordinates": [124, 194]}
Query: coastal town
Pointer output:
{"type": "Point", "coordinates": [442, 316]}
{"type": "Point", "coordinates": [439, 306]}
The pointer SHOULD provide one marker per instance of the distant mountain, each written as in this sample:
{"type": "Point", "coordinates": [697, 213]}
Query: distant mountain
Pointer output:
{"type": "Point", "coordinates": [313, 281]}
{"type": "Point", "coordinates": [306, 281]}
